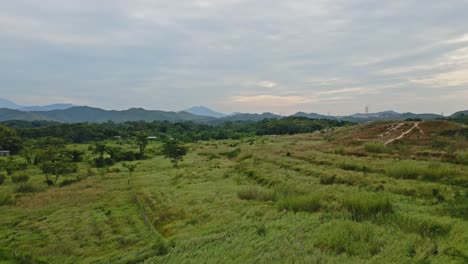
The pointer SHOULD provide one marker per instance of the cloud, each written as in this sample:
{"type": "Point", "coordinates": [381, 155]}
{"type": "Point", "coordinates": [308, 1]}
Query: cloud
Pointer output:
{"type": "Point", "coordinates": [272, 100]}
{"type": "Point", "coordinates": [315, 55]}
{"type": "Point", "coordinates": [267, 84]}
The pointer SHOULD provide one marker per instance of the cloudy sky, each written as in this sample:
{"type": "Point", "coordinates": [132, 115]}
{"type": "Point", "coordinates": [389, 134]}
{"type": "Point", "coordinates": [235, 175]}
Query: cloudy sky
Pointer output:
{"type": "Point", "coordinates": [331, 56]}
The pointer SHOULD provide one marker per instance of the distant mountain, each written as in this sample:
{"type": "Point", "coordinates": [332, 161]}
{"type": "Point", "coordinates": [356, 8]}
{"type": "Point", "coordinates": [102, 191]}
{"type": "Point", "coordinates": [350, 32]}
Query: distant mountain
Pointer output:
{"type": "Point", "coordinates": [313, 115]}
{"type": "Point", "coordinates": [387, 116]}
{"type": "Point", "coordinates": [47, 107]}
{"type": "Point", "coordinates": [204, 111]}
{"type": "Point", "coordinates": [96, 115]}
{"type": "Point", "coordinates": [378, 114]}
{"type": "Point", "coordinates": [457, 114]}
{"type": "Point", "coordinates": [4, 103]}
{"type": "Point", "coordinates": [12, 114]}
{"type": "Point", "coordinates": [250, 117]}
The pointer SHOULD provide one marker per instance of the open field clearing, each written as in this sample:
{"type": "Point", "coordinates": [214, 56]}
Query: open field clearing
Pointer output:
{"type": "Point", "coordinates": [269, 199]}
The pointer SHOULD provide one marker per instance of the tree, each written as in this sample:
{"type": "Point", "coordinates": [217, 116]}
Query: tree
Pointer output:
{"type": "Point", "coordinates": [130, 167]}
{"type": "Point", "coordinates": [57, 168]}
{"type": "Point", "coordinates": [174, 151]}
{"type": "Point", "coordinates": [142, 142]}
{"type": "Point", "coordinates": [10, 165]}
{"type": "Point", "coordinates": [101, 149]}
{"type": "Point", "coordinates": [57, 162]}
{"type": "Point", "coordinates": [9, 140]}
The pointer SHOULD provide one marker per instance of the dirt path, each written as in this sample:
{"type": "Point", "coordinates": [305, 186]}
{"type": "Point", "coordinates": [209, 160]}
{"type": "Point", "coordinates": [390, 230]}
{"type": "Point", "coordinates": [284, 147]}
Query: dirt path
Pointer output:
{"type": "Point", "coordinates": [416, 126]}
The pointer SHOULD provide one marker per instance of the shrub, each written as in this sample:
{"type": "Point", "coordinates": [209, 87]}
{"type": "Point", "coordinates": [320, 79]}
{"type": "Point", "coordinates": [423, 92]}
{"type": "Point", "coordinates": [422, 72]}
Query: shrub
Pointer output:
{"type": "Point", "coordinates": [354, 239]}
{"type": "Point", "coordinates": [413, 170]}
{"type": "Point", "coordinates": [26, 188]}
{"type": "Point", "coordinates": [69, 182]}
{"type": "Point", "coordinates": [340, 150]}
{"type": "Point", "coordinates": [255, 193]}
{"type": "Point", "coordinates": [232, 154]}
{"type": "Point", "coordinates": [2, 178]}
{"type": "Point", "coordinates": [375, 148]}
{"type": "Point", "coordinates": [422, 225]}
{"type": "Point", "coordinates": [462, 157]}
{"type": "Point", "coordinates": [363, 206]}
{"type": "Point", "coordinates": [20, 179]}
{"type": "Point", "coordinates": [5, 199]}
{"type": "Point", "coordinates": [305, 203]}
{"type": "Point", "coordinates": [458, 207]}
{"type": "Point", "coordinates": [404, 170]}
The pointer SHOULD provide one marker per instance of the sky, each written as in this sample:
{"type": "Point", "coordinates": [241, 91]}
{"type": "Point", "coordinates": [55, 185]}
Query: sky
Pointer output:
{"type": "Point", "coordinates": [334, 56]}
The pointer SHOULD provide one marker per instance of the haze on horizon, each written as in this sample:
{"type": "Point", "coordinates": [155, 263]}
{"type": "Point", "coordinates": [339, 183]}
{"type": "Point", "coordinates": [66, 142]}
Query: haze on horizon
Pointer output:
{"type": "Point", "coordinates": [232, 55]}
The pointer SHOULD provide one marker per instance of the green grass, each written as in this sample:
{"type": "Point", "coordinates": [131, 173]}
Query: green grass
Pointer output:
{"type": "Point", "coordinates": [375, 148]}
{"type": "Point", "coordinates": [364, 206]}
{"type": "Point", "coordinates": [304, 203]}
{"type": "Point", "coordinates": [257, 206]}
{"type": "Point", "coordinates": [256, 193]}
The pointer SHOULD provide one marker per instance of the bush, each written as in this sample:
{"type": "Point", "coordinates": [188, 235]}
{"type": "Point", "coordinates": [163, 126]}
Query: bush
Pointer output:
{"type": "Point", "coordinates": [305, 203]}
{"type": "Point", "coordinates": [232, 154]}
{"type": "Point", "coordinates": [375, 148]}
{"type": "Point", "coordinates": [354, 239]}
{"type": "Point", "coordinates": [404, 170]}
{"type": "Point", "coordinates": [255, 193]}
{"type": "Point", "coordinates": [2, 178]}
{"type": "Point", "coordinates": [413, 170]}
{"type": "Point", "coordinates": [422, 225]}
{"type": "Point", "coordinates": [462, 157]}
{"type": "Point", "coordinates": [364, 206]}
{"type": "Point", "coordinates": [5, 199]}
{"type": "Point", "coordinates": [458, 207]}
{"type": "Point", "coordinates": [26, 188]}
{"type": "Point", "coordinates": [340, 150]}
{"type": "Point", "coordinates": [20, 179]}
{"type": "Point", "coordinates": [69, 182]}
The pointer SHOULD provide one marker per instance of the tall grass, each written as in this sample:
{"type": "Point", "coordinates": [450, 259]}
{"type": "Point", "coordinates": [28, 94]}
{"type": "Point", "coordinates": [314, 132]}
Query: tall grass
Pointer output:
{"type": "Point", "coordinates": [364, 206]}
{"type": "Point", "coordinates": [462, 157]}
{"type": "Point", "coordinates": [354, 239]}
{"type": "Point", "coordinates": [304, 203]}
{"type": "Point", "coordinates": [256, 193]}
{"type": "Point", "coordinates": [414, 170]}
{"type": "Point", "coordinates": [375, 148]}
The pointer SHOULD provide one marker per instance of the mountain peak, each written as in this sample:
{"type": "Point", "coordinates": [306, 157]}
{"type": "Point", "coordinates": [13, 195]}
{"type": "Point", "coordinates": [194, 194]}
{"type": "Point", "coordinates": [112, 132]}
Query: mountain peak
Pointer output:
{"type": "Point", "coordinates": [204, 111]}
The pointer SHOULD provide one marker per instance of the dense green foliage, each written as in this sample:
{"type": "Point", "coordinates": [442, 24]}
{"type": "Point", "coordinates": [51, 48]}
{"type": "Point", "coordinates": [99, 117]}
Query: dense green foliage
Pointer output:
{"type": "Point", "coordinates": [185, 131]}
{"type": "Point", "coordinates": [9, 140]}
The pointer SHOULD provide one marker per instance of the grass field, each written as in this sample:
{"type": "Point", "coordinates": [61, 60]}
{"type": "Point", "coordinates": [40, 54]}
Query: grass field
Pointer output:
{"type": "Point", "coordinates": [271, 199]}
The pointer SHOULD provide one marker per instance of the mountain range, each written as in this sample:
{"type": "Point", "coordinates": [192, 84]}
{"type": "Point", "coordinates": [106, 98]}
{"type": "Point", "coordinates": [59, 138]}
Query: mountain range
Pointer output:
{"type": "Point", "coordinates": [76, 114]}
{"type": "Point", "coordinates": [4, 103]}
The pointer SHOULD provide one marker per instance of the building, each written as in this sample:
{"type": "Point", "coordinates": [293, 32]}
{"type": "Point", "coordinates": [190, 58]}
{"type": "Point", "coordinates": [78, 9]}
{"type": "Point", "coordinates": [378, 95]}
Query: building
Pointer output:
{"type": "Point", "coordinates": [4, 153]}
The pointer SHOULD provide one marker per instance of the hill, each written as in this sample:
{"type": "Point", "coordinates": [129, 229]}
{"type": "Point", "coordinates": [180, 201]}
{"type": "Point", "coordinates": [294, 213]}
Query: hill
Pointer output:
{"type": "Point", "coordinates": [458, 114]}
{"type": "Point", "coordinates": [250, 117]}
{"type": "Point", "coordinates": [81, 114]}
{"type": "Point", "coordinates": [204, 111]}
{"type": "Point", "coordinates": [11, 114]}
{"type": "Point", "coordinates": [47, 107]}
{"type": "Point", "coordinates": [4, 103]}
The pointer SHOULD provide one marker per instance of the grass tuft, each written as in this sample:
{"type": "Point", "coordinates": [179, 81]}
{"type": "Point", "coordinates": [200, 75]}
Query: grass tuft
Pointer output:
{"type": "Point", "coordinates": [375, 148]}
{"type": "Point", "coordinates": [304, 203]}
{"type": "Point", "coordinates": [256, 193]}
{"type": "Point", "coordinates": [364, 206]}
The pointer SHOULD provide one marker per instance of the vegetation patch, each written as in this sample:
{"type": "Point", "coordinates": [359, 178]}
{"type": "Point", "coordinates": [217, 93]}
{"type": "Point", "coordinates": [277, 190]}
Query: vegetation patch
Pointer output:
{"type": "Point", "coordinates": [305, 203]}
{"type": "Point", "coordinates": [351, 238]}
{"type": "Point", "coordinates": [375, 148]}
{"type": "Point", "coordinates": [256, 193]}
{"type": "Point", "coordinates": [365, 206]}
